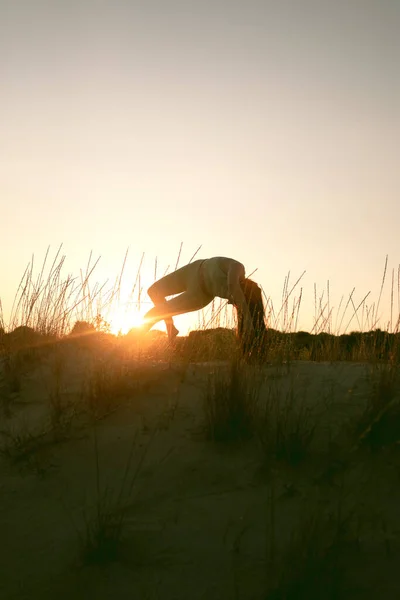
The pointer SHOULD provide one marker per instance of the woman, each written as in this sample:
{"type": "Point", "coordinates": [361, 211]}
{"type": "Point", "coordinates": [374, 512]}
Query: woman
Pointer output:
{"type": "Point", "coordinates": [197, 284]}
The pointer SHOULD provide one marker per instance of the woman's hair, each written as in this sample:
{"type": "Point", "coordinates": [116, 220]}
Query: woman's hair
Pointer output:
{"type": "Point", "coordinates": [254, 343]}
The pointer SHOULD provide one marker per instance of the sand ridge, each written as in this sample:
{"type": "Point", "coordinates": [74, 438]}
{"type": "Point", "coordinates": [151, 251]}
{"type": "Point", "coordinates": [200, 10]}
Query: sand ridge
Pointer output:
{"type": "Point", "coordinates": [196, 514]}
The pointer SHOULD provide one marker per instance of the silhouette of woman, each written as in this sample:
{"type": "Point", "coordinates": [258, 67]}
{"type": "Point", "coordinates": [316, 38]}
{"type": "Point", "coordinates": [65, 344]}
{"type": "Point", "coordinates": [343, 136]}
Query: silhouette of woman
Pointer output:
{"type": "Point", "coordinates": [197, 284]}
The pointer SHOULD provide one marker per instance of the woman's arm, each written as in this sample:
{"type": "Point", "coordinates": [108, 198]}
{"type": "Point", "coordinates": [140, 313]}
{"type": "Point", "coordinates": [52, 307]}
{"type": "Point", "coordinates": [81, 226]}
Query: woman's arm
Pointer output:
{"type": "Point", "coordinates": [236, 274]}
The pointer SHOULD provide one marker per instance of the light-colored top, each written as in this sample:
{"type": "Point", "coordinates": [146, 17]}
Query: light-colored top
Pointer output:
{"type": "Point", "coordinates": [222, 277]}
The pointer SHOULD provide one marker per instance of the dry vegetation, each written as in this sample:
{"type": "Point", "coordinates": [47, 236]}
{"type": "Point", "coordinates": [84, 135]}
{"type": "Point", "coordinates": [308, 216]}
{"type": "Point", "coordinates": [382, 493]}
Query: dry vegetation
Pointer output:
{"type": "Point", "coordinates": [131, 467]}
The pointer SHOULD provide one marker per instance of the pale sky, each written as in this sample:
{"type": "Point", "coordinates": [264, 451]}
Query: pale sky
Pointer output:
{"type": "Point", "coordinates": [266, 131]}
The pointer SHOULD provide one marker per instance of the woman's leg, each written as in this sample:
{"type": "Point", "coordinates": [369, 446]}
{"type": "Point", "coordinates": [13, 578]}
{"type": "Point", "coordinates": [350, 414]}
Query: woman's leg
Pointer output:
{"type": "Point", "coordinates": [184, 303]}
{"type": "Point", "coordinates": [179, 281]}
{"type": "Point", "coordinates": [160, 301]}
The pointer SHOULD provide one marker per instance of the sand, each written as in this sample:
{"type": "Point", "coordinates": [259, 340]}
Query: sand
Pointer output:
{"type": "Point", "coordinates": [197, 514]}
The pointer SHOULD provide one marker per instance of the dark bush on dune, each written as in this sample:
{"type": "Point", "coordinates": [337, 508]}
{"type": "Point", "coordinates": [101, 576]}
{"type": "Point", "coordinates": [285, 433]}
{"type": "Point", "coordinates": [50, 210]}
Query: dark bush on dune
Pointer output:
{"type": "Point", "coordinates": [86, 335]}
{"type": "Point", "coordinates": [221, 334]}
{"type": "Point", "coordinates": [82, 328]}
{"type": "Point", "coordinates": [22, 337]}
{"type": "Point", "coordinates": [210, 344]}
{"type": "Point", "coordinates": [21, 349]}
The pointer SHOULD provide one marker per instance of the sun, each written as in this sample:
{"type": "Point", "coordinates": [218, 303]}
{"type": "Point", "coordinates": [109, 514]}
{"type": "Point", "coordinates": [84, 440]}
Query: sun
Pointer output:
{"type": "Point", "coordinates": [122, 320]}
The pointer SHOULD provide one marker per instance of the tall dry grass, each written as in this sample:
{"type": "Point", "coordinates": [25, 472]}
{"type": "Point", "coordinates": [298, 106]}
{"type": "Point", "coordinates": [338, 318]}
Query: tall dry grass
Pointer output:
{"type": "Point", "coordinates": [230, 402]}
{"type": "Point", "coordinates": [50, 302]}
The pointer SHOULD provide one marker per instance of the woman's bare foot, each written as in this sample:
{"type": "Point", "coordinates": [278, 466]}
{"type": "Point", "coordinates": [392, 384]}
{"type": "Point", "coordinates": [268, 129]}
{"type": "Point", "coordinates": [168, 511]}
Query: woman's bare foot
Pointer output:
{"type": "Point", "coordinates": [172, 331]}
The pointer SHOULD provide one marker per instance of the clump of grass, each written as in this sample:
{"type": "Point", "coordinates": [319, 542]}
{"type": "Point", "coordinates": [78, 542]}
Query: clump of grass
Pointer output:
{"type": "Point", "coordinates": [61, 410]}
{"type": "Point", "coordinates": [103, 532]}
{"type": "Point", "coordinates": [22, 445]}
{"type": "Point", "coordinates": [18, 353]}
{"type": "Point", "coordinates": [102, 538]}
{"type": "Point", "coordinates": [285, 426]}
{"type": "Point", "coordinates": [13, 372]}
{"type": "Point", "coordinates": [310, 564]}
{"type": "Point", "coordinates": [58, 415]}
{"type": "Point", "coordinates": [230, 402]}
{"type": "Point", "coordinates": [105, 387]}
{"type": "Point", "coordinates": [380, 423]}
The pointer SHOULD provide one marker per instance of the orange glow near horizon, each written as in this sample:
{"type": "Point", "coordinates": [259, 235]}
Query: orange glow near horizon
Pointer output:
{"type": "Point", "coordinates": [122, 320]}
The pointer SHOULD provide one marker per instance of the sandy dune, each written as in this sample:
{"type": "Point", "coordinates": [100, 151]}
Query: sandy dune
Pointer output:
{"type": "Point", "coordinates": [197, 515]}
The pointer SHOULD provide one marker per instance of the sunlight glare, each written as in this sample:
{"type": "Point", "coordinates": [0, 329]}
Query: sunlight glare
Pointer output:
{"type": "Point", "coordinates": [122, 320]}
